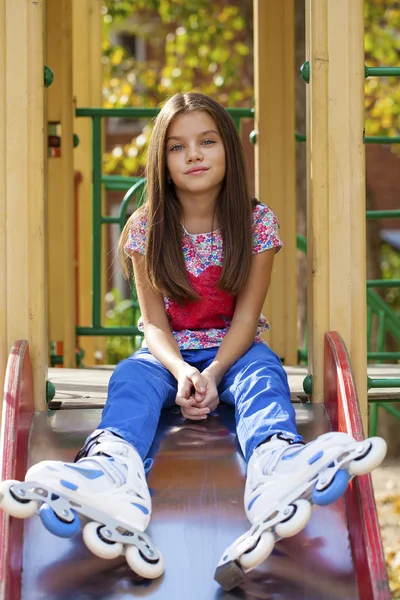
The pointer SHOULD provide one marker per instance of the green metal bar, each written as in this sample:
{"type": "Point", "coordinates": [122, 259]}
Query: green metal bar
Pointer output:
{"type": "Point", "coordinates": [383, 283]}
{"type": "Point", "coordinates": [370, 315]}
{"type": "Point", "coordinates": [381, 331]}
{"type": "Point", "coordinates": [301, 243]}
{"type": "Point", "coordinates": [368, 139]}
{"type": "Point", "coordinates": [381, 71]}
{"type": "Point", "coordinates": [378, 304]}
{"type": "Point", "coordinates": [139, 185]}
{"type": "Point", "coordinates": [302, 354]}
{"type": "Point", "coordinates": [96, 220]}
{"type": "Point", "coordinates": [383, 214]}
{"type": "Point", "coordinates": [107, 331]}
{"type": "Point", "coordinates": [382, 139]}
{"type": "Point", "coordinates": [383, 355]}
{"type": "Point", "coordinates": [142, 113]}
{"type": "Point", "coordinates": [390, 409]}
{"type": "Point", "coordinates": [368, 71]}
{"type": "Point", "coordinates": [118, 182]}
{"type": "Point", "coordinates": [300, 137]}
{"type": "Point", "coordinates": [109, 220]}
{"type": "Point", "coordinates": [237, 120]}
{"type": "Point", "coordinates": [373, 419]}
{"type": "Point", "coordinates": [383, 383]}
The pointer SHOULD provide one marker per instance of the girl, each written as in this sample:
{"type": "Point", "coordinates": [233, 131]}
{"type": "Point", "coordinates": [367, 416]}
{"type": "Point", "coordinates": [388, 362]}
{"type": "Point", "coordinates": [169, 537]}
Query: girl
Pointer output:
{"type": "Point", "coordinates": [202, 253]}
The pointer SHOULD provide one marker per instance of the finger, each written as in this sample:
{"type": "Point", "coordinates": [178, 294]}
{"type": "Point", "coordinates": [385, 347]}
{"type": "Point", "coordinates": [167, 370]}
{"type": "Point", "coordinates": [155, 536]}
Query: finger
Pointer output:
{"type": "Point", "coordinates": [191, 411]}
{"type": "Point", "coordinates": [184, 388]}
{"type": "Point", "coordinates": [184, 402]}
{"type": "Point", "coordinates": [199, 396]}
{"type": "Point", "coordinates": [210, 403]}
{"type": "Point", "coordinates": [198, 382]}
{"type": "Point", "coordinates": [192, 417]}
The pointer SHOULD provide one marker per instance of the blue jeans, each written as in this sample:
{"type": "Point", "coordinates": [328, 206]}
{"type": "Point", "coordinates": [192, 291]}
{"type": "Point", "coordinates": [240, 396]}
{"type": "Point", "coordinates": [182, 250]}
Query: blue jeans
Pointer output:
{"type": "Point", "coordinates": [256, 385]}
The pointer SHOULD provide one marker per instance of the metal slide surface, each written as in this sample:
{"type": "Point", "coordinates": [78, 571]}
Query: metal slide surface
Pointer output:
{"type": "Point", "coordinates": [197, 483]}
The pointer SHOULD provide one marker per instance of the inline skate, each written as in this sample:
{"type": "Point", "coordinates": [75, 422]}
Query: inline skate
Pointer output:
{"type": "Point", "coordinates": [284, 480]}
{"type": "Point", "coordinates": [107, 490]}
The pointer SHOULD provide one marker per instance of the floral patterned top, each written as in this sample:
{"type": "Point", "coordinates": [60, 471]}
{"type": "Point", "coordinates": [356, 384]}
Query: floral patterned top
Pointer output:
{"type": "Point", "coordinates": [204, 322]}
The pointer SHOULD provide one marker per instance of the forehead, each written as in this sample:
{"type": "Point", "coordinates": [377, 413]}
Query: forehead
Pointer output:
{"type": "Point", "coordinates": [192, 123]}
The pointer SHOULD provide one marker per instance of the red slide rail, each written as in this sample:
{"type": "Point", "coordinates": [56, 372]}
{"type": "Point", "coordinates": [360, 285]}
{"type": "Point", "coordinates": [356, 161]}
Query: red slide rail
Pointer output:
{"type": "Point", "coordinates": [16, 422]}
{"type": "Point", "coordinates": [344, 412]}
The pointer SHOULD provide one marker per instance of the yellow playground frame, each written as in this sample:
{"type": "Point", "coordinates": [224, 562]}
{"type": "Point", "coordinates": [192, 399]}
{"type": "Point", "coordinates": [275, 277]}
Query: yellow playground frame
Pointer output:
{"type": "Point", "coordinates": [36, 208]}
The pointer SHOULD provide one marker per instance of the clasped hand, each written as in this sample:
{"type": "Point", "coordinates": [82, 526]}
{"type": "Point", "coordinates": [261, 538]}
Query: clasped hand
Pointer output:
{"type": "Point", "coordinates": [197, 393]}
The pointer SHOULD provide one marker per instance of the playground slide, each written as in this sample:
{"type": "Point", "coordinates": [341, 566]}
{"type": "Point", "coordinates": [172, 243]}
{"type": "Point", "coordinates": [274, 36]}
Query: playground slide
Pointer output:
{"type": "Point", "coordinates": [197, 484]}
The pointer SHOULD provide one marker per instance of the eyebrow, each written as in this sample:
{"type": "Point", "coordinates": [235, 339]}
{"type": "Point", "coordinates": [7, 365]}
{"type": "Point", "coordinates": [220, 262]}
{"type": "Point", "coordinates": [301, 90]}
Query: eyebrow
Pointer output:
{"type": "Point", "coordinates": [176, 137]}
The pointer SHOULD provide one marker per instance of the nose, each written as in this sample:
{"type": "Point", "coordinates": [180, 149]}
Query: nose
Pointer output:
{"type": "Point", "coordinates": [194, 153]}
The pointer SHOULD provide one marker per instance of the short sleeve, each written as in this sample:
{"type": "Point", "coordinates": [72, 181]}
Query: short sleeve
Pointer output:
{"type": "Point", "coordinates": [265, 230]}
{"type": "Point", "coordinates": [137, 234]}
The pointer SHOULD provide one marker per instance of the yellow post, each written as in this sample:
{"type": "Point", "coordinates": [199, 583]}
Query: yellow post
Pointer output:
{"type": "Point", "coordinates": [22, 201]}
{"type": "Point", "coordinates": [87, 86]}
{"type": "Point", "coordinates": [3, 203]}
{"type": "Point", "coordinates": [275, 160]}
{"type": "Point", "coordinates": [336, 190]}
{"type": "Point", "coordinates": [60, 179]}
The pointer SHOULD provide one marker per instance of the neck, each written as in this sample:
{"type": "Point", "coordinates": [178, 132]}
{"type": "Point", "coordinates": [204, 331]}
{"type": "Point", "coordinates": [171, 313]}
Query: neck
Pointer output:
{"type": "Point", "coordinates": [198, 213]}
{"type": "Point", "coordinates": [201, 206]}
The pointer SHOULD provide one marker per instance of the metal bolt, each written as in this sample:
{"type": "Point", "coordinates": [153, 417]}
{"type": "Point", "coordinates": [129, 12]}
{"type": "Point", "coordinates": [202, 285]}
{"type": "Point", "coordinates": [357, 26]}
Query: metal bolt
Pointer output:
{"type": "Point", "coordinates": [65, 512]}
{"type": "Point", "coordinates": [286, 511]}
{"type": "Point", "coordinates": [323, 480]}
{"type": "Point", "coordinates": [21, 493]}
{"type": "Point", "coordinates": [149, 552]}
{"type": "Point", "coordinates": [107, 533]}
{"type": "Point", "coordinates": [360, 449]}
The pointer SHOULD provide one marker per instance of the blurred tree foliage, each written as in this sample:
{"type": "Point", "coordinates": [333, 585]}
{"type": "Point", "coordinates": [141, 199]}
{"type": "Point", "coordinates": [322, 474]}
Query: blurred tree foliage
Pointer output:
{"type": "Point", "coordinates": [382, 48]}
{"type": "Point", "coordinates": [382, 101]}
{"type": "Point", "coordinates": [190, 44]}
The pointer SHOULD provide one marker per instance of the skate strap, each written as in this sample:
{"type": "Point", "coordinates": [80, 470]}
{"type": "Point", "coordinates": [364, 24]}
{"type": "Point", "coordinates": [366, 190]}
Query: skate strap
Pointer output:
{"type": "Point", "coordinates": [273, 457]}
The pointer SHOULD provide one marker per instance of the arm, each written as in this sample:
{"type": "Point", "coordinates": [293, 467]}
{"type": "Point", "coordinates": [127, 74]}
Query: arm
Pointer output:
{"type": "Point", "coordinates": [245, 319]}
{"type": "Point", "coordinates": [162, 344]}
{"type": "Point", "coordinates": [159, 338]}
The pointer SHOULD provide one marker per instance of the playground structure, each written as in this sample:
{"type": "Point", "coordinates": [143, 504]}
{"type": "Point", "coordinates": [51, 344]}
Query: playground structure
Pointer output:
{"type": "Point", "coordinates": [37, 251]}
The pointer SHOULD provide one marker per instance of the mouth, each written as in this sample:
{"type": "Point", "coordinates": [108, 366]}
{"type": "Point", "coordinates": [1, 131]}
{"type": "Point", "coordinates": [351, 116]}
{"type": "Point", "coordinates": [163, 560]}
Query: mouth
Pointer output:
{"type": "Point", "coordinates": [197, 171]}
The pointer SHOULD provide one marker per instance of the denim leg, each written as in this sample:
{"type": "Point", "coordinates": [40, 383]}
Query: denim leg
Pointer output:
{"type": "Point", "coordinates": [139, 388]}
{"type": "Point", "coordinates": [258, 388]}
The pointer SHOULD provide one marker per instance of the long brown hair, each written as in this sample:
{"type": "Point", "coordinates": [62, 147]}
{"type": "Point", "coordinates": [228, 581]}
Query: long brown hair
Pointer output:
{"type": "Point", "coordinates": [165, 265]}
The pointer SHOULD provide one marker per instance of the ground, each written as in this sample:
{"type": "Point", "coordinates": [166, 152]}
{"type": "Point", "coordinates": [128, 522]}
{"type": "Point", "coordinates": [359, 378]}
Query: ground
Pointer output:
{"type": "Point", "coordinates": [386, 480]}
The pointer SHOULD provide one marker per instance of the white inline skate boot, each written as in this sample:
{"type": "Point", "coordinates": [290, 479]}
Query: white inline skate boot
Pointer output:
{"type": "Point", "coordinates": [283, 480]}
{"type": "Point", "coordinates": [107, 489]}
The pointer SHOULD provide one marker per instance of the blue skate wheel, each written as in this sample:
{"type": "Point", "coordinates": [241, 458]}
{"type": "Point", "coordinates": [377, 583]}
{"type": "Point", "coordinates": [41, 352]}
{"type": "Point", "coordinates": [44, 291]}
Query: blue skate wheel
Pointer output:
{"type": "Point", "coordinates": [56, 526]}
{"type": "Point", "coordinates": [335, 489]}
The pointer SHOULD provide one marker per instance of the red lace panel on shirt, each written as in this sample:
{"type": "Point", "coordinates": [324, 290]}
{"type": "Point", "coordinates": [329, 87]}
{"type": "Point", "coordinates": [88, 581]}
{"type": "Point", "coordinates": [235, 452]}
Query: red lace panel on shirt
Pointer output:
{"type": "Point", "coordinates": [213, 309]}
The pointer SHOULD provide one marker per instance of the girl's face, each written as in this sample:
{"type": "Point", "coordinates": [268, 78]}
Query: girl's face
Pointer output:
{"type": "Point", "coordinates": [195, 154]}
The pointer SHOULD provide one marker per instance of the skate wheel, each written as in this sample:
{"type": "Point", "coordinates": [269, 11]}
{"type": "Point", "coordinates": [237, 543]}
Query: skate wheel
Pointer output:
{"type": "Point", "coordinates": [98, 544]}
{"type": "Point", "coordinates": [52, 522]}
{"type": "Point", "coordinates": [333, 491]}
{"type": "Point", "coordinates": [372, 459]}
{"type": "Point", "coordinates": [143, 567]}
{"type": "Point", "coordinates": [252, 558]}
{"type": "Point", "coordinates": [21, 509]}
{"type": "Point", "coordinates": [297, 521]}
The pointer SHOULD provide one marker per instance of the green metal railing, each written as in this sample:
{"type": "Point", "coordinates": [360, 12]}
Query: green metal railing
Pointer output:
{"type": "Point", "coordinates": [135, 187]}
{"type": "Point", "coordinates": [387, 322]}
